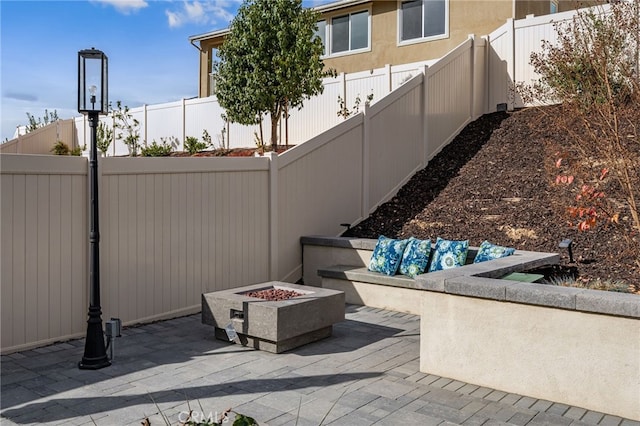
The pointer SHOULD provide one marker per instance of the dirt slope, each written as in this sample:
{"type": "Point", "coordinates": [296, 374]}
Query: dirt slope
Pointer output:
{"type": "Point", "coordinates": [493, 182]}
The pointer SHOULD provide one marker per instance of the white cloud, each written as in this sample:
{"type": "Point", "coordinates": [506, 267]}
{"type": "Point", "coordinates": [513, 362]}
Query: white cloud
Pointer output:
{"type": "Point", "coordinates": [216, 13]}
{"type": "Point", "coordinates": [125, 6]}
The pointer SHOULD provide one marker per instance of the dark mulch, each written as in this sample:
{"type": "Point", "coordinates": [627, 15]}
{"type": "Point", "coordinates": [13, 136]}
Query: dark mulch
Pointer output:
{"type": "Point", "coordinates": [493, 182]}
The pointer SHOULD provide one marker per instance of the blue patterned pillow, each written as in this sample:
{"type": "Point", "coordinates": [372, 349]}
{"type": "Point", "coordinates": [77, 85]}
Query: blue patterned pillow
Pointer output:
{"type": "Point", "coordinates": [387, 255]}
{"type": "Point", "coordinates": [449, 254]}
{"type": "Point", "coordinates": [415, 257]}
{"type": "Point", "coordinates": [488, 251]}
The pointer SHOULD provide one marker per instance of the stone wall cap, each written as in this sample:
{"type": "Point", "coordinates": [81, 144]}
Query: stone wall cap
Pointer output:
{"type": "Point", "coordinates": [542, 294]}
{"type": "Point", "coordinates": [343, 242]}
{"type": "Point", "coordinates": [609, 302]}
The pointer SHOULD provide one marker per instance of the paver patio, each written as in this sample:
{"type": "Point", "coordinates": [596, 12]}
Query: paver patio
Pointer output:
{"type": "Point", "coordinates": [366, 373]}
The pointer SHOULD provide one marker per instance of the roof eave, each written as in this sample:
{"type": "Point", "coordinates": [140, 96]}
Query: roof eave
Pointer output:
{"type": "Point", "coordinates": [322, 9]}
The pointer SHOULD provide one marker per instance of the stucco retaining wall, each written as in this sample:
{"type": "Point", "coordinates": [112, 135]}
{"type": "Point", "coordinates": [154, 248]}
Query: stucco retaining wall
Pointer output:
{"type": "Point", "coordinates": [577, 358]}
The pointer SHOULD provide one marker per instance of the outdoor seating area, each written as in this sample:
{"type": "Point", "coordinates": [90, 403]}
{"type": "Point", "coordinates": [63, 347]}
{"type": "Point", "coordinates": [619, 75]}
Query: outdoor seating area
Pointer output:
{"type": "Point", "coordinates": [518, 337]}
{"type": "Point", "coordinates": [367, 372]}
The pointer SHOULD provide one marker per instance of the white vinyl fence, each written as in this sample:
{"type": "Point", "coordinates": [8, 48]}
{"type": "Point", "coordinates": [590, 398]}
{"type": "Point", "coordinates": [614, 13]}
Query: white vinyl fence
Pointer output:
{"type": "Point", "coordinates": [173, 228]}
{"type": "Point", "coordinates": [190, 117]}
{"type": "Point", "coordinates": [510, 48]}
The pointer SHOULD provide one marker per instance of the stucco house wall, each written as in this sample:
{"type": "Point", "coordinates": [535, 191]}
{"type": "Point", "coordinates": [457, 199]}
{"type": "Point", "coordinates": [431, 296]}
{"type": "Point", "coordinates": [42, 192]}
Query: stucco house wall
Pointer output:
{"type": "Point", "coordinates": [464, 17]}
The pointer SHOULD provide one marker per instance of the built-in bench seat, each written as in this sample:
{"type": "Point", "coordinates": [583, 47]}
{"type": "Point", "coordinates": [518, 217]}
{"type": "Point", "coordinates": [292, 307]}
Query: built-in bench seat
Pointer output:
{"type": "Point", "coordinates": [346, 278]}
{"type": "Point", "coordinates": [362, 286]}
{"type": "Point", "coordinates": [529, 339]}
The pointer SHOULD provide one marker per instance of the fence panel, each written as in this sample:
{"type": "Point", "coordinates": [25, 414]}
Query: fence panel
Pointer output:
{"type": "Point", "coordinates": [362, 84]}
{"type": "Point", "coordinates": [400, 74]}
{"type": "Point", "coordinates": [319, 186]}
{"type": "Point", "coordinates": [449, 97]}
{"type": "Point", "coordinates": [395, 140]}
{"type": "Point", "coordinates": [318, 114]}
{"type": "Point", "coordinates": [44, 249]}
{"type": "Point", "coordinates": [165, 121]}
{"type": "Point", "coordinates": [79, 134]}
{"type": "Point", "coordinates": [42, 140]}
{"type": "Point", "coordinates": [204, 114]}
{"type": "Point", "coordinates": [173, 228]}
{"type": "Point", "coordinates": [528, 36]}
{"type": "Point", "coordinates": [500, 57]}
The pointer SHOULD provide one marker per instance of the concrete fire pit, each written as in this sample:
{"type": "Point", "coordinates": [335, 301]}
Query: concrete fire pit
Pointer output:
{"type": "Point", "coordinates": [273, 326]}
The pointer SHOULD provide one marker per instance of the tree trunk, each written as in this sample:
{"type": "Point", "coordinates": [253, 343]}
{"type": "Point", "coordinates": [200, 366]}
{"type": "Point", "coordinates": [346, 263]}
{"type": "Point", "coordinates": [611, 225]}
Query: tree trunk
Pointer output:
{"type": "Point", "coordinates": [274, 131]}
{"type": "Point", "coordinates": [261, 138]}
{"type": "Point", "coordinates": [286, 124]}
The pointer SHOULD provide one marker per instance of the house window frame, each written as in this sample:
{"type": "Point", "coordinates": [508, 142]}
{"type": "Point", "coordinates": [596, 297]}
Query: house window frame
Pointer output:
{"type": "Point", "coordinates": [416, 40]}
{"type": "Point", "coordinates": [553, 4]}
{"type": "Point", "coordinates": [329, 34]}
{"type": "Point", "coordinates": [326, 36]}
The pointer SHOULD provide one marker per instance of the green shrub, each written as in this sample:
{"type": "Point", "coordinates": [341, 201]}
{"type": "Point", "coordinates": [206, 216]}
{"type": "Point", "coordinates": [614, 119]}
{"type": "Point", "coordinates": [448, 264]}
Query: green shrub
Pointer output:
{"type": "Point", "coordinates": [162, 149]}
{"type": "Point", "coordinates": [77, 151]}
{"type": "Point", "coordinates": [61, 148]}
{"type": "Point", "coordinates": [192, 145]}
{"type": "Point", "coordinates": [104, 136]}
{"type": "Point", "coordinates": [124, 121]}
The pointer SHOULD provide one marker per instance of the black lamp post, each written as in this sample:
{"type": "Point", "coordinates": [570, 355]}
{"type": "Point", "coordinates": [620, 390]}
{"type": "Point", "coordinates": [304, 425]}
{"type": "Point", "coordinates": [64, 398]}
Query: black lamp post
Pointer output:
{"type": "Point", "coordinates": [92, 101]}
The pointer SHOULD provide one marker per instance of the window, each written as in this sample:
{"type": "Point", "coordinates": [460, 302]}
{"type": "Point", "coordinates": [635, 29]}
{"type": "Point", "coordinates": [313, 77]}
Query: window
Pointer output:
{"type": "Point", "coordinates": [349, 33]}
{"type": "Point", "coordinates": [322, 33]}
{"type": "Point", "coordinates": [553, 6]}
{"type": "Point", "coordinates": [213, 59]}
{"type": "Point", "coordinates": [423, 19]}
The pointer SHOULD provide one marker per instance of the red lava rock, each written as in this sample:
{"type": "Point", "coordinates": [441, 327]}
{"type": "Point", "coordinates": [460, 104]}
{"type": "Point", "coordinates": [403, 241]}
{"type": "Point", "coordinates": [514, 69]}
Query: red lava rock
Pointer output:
{"type": "Point", "coordinates": [273, 294]}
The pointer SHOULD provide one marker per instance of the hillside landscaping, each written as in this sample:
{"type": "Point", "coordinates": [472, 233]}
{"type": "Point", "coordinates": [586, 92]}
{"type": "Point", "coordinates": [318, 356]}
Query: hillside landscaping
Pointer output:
{"type": "Point", "coordinates": [496, 181]}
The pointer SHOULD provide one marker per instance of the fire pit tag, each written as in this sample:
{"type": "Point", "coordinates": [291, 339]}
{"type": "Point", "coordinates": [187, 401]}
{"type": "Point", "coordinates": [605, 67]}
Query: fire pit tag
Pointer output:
{"type": "Point", "coordinates": [231, 332]}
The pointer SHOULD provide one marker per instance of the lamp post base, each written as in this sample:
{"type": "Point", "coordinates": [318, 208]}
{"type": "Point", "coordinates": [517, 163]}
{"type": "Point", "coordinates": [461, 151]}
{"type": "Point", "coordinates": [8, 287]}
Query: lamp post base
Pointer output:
{"type": "Point", "coordinates": [93, 363]}
{"type": "Point", "coordinates": [95, 354]}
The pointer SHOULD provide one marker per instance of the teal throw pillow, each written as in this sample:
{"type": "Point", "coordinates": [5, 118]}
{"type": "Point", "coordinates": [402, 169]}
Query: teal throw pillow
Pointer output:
{"type": "Point", "coordinates": [415, 257]}
{"type": "Point", "coordinates": [448, 254]}
{"type": "Point", "coordinates": [387, 255]}
{"type": "Point", "coordinates": [488, 251]}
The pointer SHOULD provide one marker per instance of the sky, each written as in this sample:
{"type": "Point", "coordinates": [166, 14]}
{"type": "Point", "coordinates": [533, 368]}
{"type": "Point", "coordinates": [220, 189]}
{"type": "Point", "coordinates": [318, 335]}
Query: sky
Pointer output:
{"type": "Point", "coordinates": [151, 60]}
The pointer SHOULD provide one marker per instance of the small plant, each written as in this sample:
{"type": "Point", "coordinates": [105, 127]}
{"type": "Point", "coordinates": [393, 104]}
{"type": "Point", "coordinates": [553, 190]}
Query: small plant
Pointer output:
{"type": "Point", "coordinates": [240, 420]}
{"type": "Point", "coordinates": [77, 151]}
{"type": "Point", "coordinates": [222, 136]}
{"type": "Point", "coordinates": [162, 149]}
{"type": "Point", "coordinates": [593, 284]}
{"type": "Point", "coordinates": [193, 418]}
{"type": "Point", "coordinates": [49, 117]}
{"type": "Point", "coordinates": [104, 136]}
{"type": "Point", "coordinates": [192, 145]}
{"type": "Point", "coordinates": [590, 204]}
{"type": "Point", "coordinates": [124, 121]}
{"type": "Point", "coordinates": [61, 148]}
{"type": "Point", "coordinates": [345, 112]}
{"type": "Point", "coordinates": [206, 138]}
{"type": "Point", "coordinates": [259, 142]}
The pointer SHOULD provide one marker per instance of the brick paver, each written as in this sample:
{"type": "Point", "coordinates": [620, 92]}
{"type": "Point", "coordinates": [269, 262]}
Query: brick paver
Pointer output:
{"type": "Point", "coordinates": [366, 373]}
